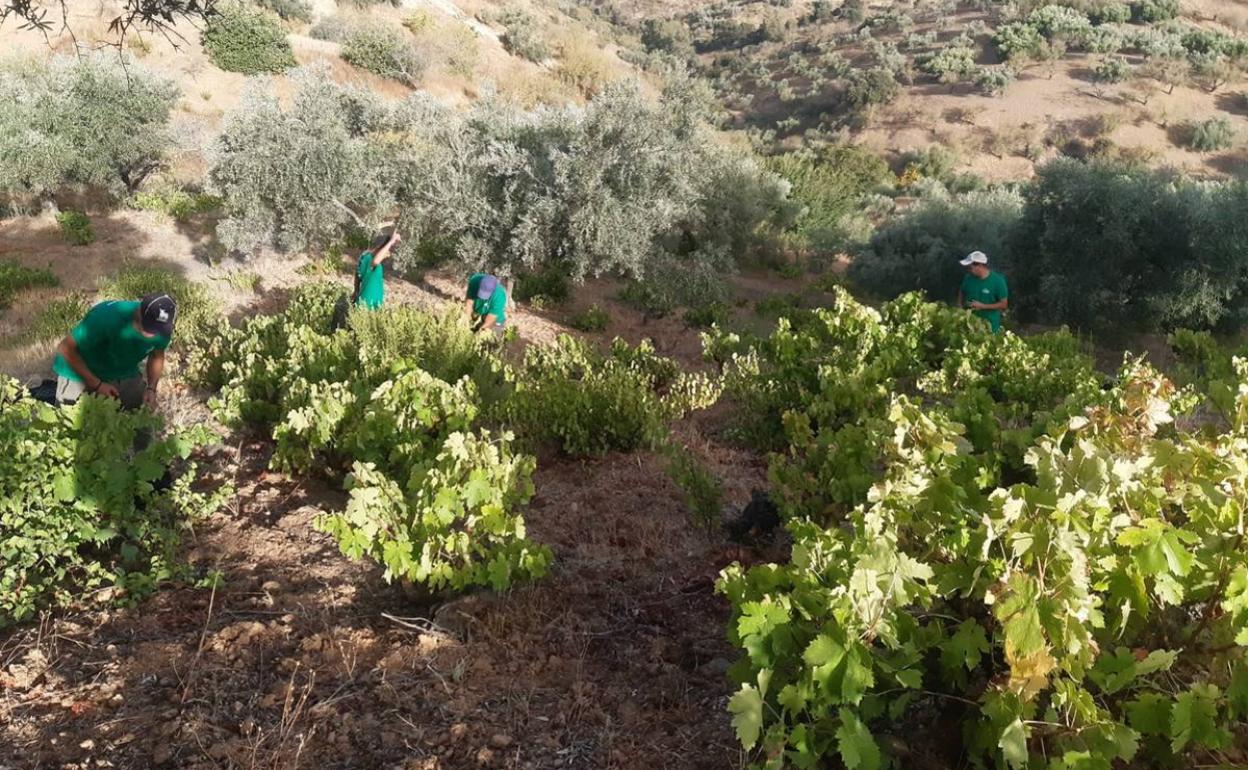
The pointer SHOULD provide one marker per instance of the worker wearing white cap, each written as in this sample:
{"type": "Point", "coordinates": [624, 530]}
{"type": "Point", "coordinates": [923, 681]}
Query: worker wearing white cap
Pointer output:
{"type": "Point", "coordinates": [983, 291]}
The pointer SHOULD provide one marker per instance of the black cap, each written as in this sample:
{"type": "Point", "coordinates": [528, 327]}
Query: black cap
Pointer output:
{"type": "Point", "coordinates": [157, 313]}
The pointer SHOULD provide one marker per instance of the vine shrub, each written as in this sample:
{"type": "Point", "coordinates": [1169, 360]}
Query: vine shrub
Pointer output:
{"type": "Point", "coordinates": [590, 403]}
{"type": "Point", "coordinates": [79, 517]}
{"type": "Point", "coordinates": [1087, 607]}
{"type": "Point", "coordinates": [391, 401]}
{"type": "Point", "coordinates": [247, 40]}
{"type": "Point", "coordinates": [384, 50]}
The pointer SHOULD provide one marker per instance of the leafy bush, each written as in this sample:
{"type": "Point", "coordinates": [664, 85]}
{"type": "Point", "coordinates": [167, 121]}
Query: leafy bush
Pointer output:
{"type": "Point", "coordinates": [522, 36]}
{"type": "Point", "coordinates": [16, 278]}
{"type": "Point", "coordinates": [196, 307]}
{"type": "Point", "coordinates": [905, 457]}
{"type": "Point", "coordinates": [702, 491]}
{"type": "Point", "coordinates": [75, 227]}
{"type": "Point", "coordinates": [667, 36]}
{"type": "Point", "coordinates": [1110, 13]}
{"type": "Point", "coordinates": [1017, 40]}
{"type": "Point", "coordinates": [870, 88]}
{"type": "Point", "coordinates": [391, 400]}
{"type": "Point", "coordinates": [247, 40]}
{"type": "Point", "coordinates": [708, 315]}
{"type": "Point", "coordinates": [1103, 40]}
{"type": "Point", "coordinates": [591, 319]}
{"type": "Point", "coordinates": [1060, 21]}
{"type": "Point", "coordinates": [383, 50]}
{"type": "Point", "coordinates": [55, 318]}
{"type": "Point", "coordinates": [332, 28]}
{"type": "Point", "coordinates": [920, 249]}
{"type": "Point", "coordinates": [994, 80]}
{"type": "Point", "coordinates": [178, 204]}
{"type": "Point", "coordinates": [1114, 69]}
{"type": "Point", "coordinates": [82, 518]}
{"type": "Point", "coordinates": [950, 65]}
{"type": "Point", "coordinates": [81, 122]}
{"type": "Point", "coordinates": [550, 286]}
{"type": "Point", "coordinates": [589, 403]}
{"type": "Point", "coordinates": [290, 10]}
{"type": "Point", "coordinates": [1211, 135]}
{"type": "Point", "coordinates": [1165, 251]}
{"type": "Point", "coordinates": [1154, 11]}
{"type": "Point", "coordinates": [829, 185]}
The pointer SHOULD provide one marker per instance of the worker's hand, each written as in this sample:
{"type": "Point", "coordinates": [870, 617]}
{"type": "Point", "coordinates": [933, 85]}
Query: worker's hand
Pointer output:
{"type": "Point", "coordinates": [149, 398]}
{"type": "Point", "coordinates": [107, 390]}
{"type": "Point", "coordinates": [976, 305]}
{"type": "Point", "coordinates": [395, 237]}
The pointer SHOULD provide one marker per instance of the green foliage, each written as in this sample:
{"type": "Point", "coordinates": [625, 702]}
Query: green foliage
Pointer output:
{"type": "Point", "coordinates": [870, 88]}
{"type": "Point", "coordinates": [75, 227]}
{"type": "Point", "coordinates": [1060, 21]}
{"type": "Point", "coordinates": [92, 122]}
{"type": "Point", "coordinates": [1211, 135]}
{"type": "Point", "coordinates": [669, 36]}
{"type": "Point", "coordinates": [591, 319]}
{"type": "Point", "coordinates": [1113, 69]}
{"type": "Point", "coordinates": [708, 315]}
{"type": "Point", "coordinates": [702, 491]}
{"type": "Point", "coordinates": [1007, 535]}
{"type": "Point", "coordinates": [383, 50]}
{"type": "Point", "coordinates": [16, 278]}
{"type": "Point", "coordinates": [829, 186]}
{"type": "Point", "coordinates": [546, 287]}
{"type": "Point", "coordinates": [178, 204]}
{"type": "Point", "coordinates": [238, 38]}
{"type": "Point", "coordinates": [1110, 13]}
{"type": "Point", "coordinates": [1168, 253]}
{"type": "Point", "coordinates": [589, 403]}
{"type": "Point", "coordinates": [950, 65]}
{"type": "Point", "coordinates": [80, 516]}
{"type": "Point", "coordinates": [55, 318]}
{"type": "Point", "coordinates": [994, 80]}
{"type": "Point", "coordinates": [1017, 40]}
{"type": "Point", "coordinates": [290, 10]}
{"type": "Point", "coordinates": [1154, 11]}
{"type": "Point", "coordinates": [195, 305]}
{"type": "Point", "coordinates": [920, 249]}
{"type": "Point", "coordinates": [522, 36]}
{"type": "Point", "coordinates": [392, 402]}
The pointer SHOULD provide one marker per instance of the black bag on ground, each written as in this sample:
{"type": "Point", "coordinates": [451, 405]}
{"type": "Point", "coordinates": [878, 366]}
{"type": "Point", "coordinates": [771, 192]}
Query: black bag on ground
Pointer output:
{"type": "Point", "coordinates": [45, 391]}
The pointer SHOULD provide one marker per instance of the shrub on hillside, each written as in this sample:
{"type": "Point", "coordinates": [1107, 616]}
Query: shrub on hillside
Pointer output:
{"type": "Point", "coordinates": [295, 176]}
{"type": "Point", "coordinates": [950, 65]}
{"type": "Point", "coordinates": [16, 278]}
{"type": "Point", "coordinates": [828, 185]}
{"type": "Point", "coordinates": [75, 227]}
{"type": "Point", "coordinates": [1211, 135]}
{"type": "Point", "coordinates": [1166, 254]}
{"type": "Point", "coordinates": [1154, 11]}
{"type": "Point", "coordinates": [1060, 21]}
{"type": "Point", "coordinates": [332, 28]}
{"type": "Point", "coordinates": [522, 36]}
{"type": "Point", "coordinates": [919, 250]}
{"type": "Point", "coordinates": [1103, 40]}
{"type": "Point", "coordinates": [667, 36]}
{"type": "Point", "coordinates": [383, 50]}
{"type": "Point", "coordinates": [290, 10]}
{"type": "Point", "coordinates": [870, 88]}
{"type": "Point", "coordinates": [247, 40]}
{"type": "Point", "coordinates": [90, 122]}
{"type": "Point", "coordinates": [1110, 13]}
{"type": "Point", "coordinates": [1017, 40]}
{"type": "Point", "coordinates": [994, 80]}
{"type": "Point", "coordinates": [1113, 69]}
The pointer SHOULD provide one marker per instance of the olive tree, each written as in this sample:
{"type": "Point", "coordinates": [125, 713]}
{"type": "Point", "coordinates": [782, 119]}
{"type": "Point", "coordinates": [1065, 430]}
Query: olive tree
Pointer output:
{"type": "Point", "coordinates": [89, 122]}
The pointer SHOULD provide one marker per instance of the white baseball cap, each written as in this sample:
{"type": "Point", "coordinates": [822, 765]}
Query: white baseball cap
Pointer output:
{"type": "Point", "coordinates": [975, 258]}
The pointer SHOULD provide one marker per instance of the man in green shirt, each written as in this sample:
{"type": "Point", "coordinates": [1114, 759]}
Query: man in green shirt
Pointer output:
{"type": "Point", "coordinates": [983, 290]}
{"type": "Point", "coordinates": [370, 284]}
{"type": "Point", "coordinates": [486, 304]}
{"type": "Point", "coordinates": [103, 352]}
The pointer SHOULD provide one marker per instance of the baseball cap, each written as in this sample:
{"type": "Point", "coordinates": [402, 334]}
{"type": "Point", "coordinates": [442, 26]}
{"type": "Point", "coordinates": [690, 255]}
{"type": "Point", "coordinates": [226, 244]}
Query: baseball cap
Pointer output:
{"type": "Point", "coordinates": [485, 289]}
{"type": "Point", "coordinates": [975, 258]}
{"type": "Point", "coordinates": [157, 313]}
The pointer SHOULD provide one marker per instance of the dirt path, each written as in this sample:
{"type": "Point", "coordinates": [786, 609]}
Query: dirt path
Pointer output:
{"type": "Point", "coordinates": [615, 660]}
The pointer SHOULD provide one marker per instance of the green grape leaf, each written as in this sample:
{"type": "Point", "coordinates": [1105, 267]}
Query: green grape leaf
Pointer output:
{"type": "Point", "coordinates": [857, 746]}
{"type": "Point", "coordinates": [746, 708]}
{"type": "Point", "coordinates": [1013, 744]}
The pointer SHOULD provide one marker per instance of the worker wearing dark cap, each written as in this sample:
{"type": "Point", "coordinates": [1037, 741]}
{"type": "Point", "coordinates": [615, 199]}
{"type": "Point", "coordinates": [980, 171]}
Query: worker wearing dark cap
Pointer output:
{"type": "Point", "coordinates": [103, 352]}
{"type": "Point", "coordinates": [486, 304]}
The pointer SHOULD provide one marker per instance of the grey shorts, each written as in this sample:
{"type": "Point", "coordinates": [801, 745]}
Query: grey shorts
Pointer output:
{"type": "Point", "coordinates": [131, 390]}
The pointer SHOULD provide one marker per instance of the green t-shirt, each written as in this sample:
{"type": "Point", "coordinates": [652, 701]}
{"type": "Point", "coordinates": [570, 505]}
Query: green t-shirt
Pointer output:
{"type": "Point", "coordinates": [372, 282]}
{"type": "Point", "coordinates": [110, 345]}
{"type": "Point", "coordinates": [988, 290]}
{"type": "Point", "coordinates": [496, 304]}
